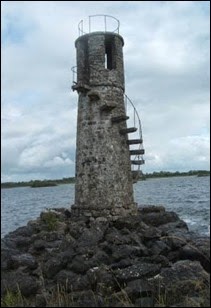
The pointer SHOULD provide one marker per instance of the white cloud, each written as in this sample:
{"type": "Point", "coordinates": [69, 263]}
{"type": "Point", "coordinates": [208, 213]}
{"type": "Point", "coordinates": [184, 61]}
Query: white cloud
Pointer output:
{"type": "Point", "coordinates": [166, 57]}
{"type": "Point", "coordinates": [58, 161]}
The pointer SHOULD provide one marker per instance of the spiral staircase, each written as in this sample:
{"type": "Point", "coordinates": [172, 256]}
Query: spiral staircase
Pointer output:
{"type": "Point", "coordinates": [135, 144]}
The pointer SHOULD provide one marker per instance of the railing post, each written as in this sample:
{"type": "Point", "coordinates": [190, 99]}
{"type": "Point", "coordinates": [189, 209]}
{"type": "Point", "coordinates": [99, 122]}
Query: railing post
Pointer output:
{"type": "Point", "coordinates": [105, 17]}
{"type": "Point", "coordinates": [79, 29]}
{"type": "Point", "coordinates": [125, 103]}
{"type": "Point", "coordinates": [105, 22]}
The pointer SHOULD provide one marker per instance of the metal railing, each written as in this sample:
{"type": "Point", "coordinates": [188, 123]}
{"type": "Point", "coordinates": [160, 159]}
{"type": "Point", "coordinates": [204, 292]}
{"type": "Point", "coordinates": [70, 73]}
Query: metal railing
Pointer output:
{"type": "Point", "coordinates": [136, 123]}
{"type": "Point", "coordinates": [74, 74]}
{"type": "Point", "coordinates": [106, 21]}
{"type": "Point", "coordinates": [135, 119]}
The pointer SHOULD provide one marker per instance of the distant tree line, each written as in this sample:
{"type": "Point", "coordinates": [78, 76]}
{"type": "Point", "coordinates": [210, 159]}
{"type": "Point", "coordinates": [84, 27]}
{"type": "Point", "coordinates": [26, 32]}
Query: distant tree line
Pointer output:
{"type": "Point", "coordinates": [71, 180]}
{"type": "Point", "coordinates": [38, 183]}
{"type": "Point", "coordinates": [162, 174]}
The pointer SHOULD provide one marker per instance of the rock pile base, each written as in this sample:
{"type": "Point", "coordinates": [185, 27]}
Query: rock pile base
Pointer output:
{"type": "Point", "coordinates": [146, 260]}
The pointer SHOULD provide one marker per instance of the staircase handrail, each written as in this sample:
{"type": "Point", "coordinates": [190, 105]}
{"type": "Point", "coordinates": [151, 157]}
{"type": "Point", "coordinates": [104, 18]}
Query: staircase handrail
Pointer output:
{"type": "Point", "coordinates": [136, 115]}
{"type": "Point", "coordinates": [127, 99]}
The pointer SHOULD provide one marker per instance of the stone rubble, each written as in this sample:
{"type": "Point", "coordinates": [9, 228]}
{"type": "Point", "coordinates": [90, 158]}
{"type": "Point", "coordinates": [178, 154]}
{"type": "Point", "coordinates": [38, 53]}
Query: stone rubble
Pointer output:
{"type": "Point", "coordinates": [146, 260]}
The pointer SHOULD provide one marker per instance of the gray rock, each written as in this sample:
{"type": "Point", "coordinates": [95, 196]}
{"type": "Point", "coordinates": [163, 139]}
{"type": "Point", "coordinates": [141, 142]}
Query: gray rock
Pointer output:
{"type": "Point", "coordinates": [159, 218]}
{"type": "Point", "coordinates": [72, 281]}
{"type": "Point", "coordinates": [151, 209]}
{"type": "Point", "coordinates": [144, 302]}
{"type": "Point", "coordinates": [136, 271]}
{"type": "Point", "coordinates": [91, 237]}
{"type": "Point", "coordinates": [20, 242]}
{"type": "Point", "coordinates": [16, 281]}
{"type": "Point", "coordinates": [78, 265]}
{"type": "Point", "coordinates": [121, 261]}
{"type": "Point", "coordinates": [66, 256]}
{"type": "Point", "coordinates": [6, 256]}
{"type": "Point", "coordinates": [128, 251]}
{"type": "Point", "coordinates": [52, 267]}
{"type": "Point", "coordinates": [87, 299]}
{"type": "Point", "coordinates": [100, 278]}
{"type": "Point", "coordinates": [122, 264]}
{"type": "Point", "coordinates": [184, 279]}
{"type": "Point", "coordinates": [25, 231]}
{"type": "Point", "coordinates": [25, 259]}
{"type": "Point", "coordinates": [192, 252]}
{"type": "Point", "coordinates": [138, 288]}
{"type": "Point", "coordinates": [151, 233]}
{"type": "Point", "coordinates": [40, 300]}
{"type": "Point", "coordinates": [99, 258]}
{"type": "Point", "coordinates": [158, 247]}
{"type": "Point", "coordinates": [171, 226]}
{"type": "Point", "coordinates": [39, 245]}
{"type": "Point", "coordinates": [115, 237]}
{"type": "Point", "coordinates": [131, 223]}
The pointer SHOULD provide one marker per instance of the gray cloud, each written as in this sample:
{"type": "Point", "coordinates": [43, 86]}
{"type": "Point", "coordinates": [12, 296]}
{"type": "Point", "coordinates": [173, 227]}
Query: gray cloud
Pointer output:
{"type": "Point", "coordinates": [166, 56]}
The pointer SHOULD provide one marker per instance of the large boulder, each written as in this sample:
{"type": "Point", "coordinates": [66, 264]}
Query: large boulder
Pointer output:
{"type": "Point", "coordinates": [183, 280]}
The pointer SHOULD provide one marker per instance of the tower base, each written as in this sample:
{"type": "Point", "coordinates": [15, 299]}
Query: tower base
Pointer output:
{"type": "Point", "coordinates": [104, 214]}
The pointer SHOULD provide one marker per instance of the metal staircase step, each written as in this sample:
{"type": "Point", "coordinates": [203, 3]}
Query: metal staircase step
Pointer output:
{"type": "Point", "coordinates": [125, 131]}
{"type": "Point", "coordinates": [136, 175]}
{"type": "Point", "coordinates": [137, 162]}
{"type": "Point", "coordinates": [137, 152]}
{"type": "Point", "coordinates": [119, 119]}
{"type": "Point", "coordinates": [134, 141]}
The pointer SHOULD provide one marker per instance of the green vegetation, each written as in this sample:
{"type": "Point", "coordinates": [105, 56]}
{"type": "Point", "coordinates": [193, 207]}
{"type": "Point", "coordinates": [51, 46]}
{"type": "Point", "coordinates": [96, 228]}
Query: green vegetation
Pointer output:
{"type": "Point", "coordinates": [13, 299]}
{"type": "Point", "coordinates": [50, 219]}
{"type": "Point", "coordinates": [38, 183]}
{"type": "Point", "coordinates": [165, 174]}
{"type": "Point", "coordinates": [71, 180]}
{"type": "Point", "coordinates": [43, 184]}
{"type": "Point", "coordinates": [62, 297]}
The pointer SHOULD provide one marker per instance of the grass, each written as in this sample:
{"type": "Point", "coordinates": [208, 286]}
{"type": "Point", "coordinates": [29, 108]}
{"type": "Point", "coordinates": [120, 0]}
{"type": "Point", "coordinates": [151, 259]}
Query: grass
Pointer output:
{"type": "Point", "coordinates": [50, 219]}
{"type": "Point", "coordinates": [60, 297]}
{"type": "Point", "coordinates": [14, 299]}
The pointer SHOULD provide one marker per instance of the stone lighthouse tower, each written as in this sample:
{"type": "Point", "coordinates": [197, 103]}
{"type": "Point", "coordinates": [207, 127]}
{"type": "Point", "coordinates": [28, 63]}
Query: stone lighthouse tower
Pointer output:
{"type": "Point", "coordinates": [104, 181]}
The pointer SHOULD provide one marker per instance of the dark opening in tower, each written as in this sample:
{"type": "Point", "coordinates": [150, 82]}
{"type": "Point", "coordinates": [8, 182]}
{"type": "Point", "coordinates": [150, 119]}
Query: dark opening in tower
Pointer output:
{"type": "Point", "coordinates": [109, 54]}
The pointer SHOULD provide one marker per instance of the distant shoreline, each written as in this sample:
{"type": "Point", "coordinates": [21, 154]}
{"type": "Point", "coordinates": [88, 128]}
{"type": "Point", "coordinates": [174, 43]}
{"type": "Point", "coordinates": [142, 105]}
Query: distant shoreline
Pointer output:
{"type": "Point", "coordinates": [164, 174]}
{"type": "Point", "coordinates": [71, 180]}
{"type": "Point", "coordinates": [38, 183]}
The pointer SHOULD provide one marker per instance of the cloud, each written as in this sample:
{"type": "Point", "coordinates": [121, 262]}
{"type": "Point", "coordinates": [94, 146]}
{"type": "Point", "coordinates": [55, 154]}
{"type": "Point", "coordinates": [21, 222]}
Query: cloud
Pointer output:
{"type": "Point", "coordinates": [166, 57]}
{"type": "Point", "coordinates": [180, 150]}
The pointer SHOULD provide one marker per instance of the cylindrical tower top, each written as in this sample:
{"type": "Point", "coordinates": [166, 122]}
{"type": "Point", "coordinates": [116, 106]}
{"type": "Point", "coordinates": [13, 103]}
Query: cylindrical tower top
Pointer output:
{"type": "Point", "coordinates": [100, 55]}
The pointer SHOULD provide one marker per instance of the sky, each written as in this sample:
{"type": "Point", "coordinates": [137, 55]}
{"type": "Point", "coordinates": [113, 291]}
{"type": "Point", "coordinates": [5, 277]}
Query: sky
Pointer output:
{"type": "Point", "coordinates": [166, 62]}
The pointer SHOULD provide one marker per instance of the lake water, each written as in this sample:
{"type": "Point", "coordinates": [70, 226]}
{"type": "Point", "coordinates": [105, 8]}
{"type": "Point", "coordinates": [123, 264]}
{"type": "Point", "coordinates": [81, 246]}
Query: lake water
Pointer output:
{"type": "Point", "coordinates": [188, 196]}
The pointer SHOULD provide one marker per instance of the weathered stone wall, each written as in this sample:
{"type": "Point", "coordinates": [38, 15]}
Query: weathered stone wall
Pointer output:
{"type": "Point", "coordinates": [103, 169]}
{"type": "Point", "coordinates": [91, 49]}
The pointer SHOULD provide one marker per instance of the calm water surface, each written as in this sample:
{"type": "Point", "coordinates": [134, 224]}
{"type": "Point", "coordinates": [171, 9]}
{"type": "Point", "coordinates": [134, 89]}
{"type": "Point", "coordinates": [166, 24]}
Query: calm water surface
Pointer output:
{"type": "Point", "coordinates": [188, 196]}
